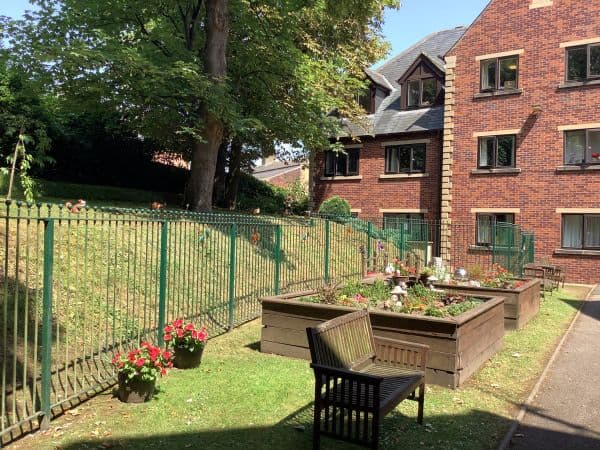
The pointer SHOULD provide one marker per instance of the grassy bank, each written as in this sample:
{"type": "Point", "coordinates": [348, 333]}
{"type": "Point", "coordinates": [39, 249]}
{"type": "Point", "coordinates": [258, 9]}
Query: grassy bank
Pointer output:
{"type": "Point", "coordinates": [240, 398]}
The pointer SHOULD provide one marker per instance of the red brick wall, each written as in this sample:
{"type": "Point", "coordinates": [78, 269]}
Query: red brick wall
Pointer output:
{"type": "Point", "coordinates": [539, 189]}
{"type": "Point", "coordinates": [372, 193]}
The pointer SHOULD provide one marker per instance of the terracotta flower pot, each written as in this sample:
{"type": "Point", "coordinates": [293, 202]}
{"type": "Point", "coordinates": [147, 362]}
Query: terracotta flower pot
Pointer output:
{"type": "Point", "coordinates": [184, 359]}
{"type": "Point", "coordinates": [135, 390]}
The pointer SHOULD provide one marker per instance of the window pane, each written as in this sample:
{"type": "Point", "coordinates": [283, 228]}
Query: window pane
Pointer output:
{"type": "Point", "coordinates": [341, 164]}
{"type": "Point", "coordinates": [574, 147]}
{"type": "Point", "coordinates": [488, 74]}
{"type": "Point", "coordinates": [429, 91]}
{"type": "Point", "coordinates": [505, 156]}
{"type": "Point", "coordinates": [484, 229]}
{"type": "Point", "coordinates": [572, 231]}
{"type": "Point", "coordinates": [329, 164]}
{"type": "Point", "coordinates": [418, 158]}
{"type": "Point", "coordinates": [404, 158]}
{"type": "Point", "coordinates": [353, 156]}
{"type": "Point", "coordinates": [593, 154]}
{"type": "Point", "coordinates": [414, 93]}
{"type": "Point", "coordinates": [595, 61]}
{"type": "Point", "coordinates": [391, 159]}
{"type": "Point", "coordinates": [592, 231]}
{"type": "Point", "coordinates": [486, 151]}
{"type": "Point", "coordinates": [508, 72]}
{"type": "Point", "coordinates": [364, 99]}
{"type": "Point", "coordinates": [577, 64]}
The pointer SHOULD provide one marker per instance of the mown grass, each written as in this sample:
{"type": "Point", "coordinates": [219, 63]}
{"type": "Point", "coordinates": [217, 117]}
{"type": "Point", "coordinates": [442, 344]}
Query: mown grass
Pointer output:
{"type": "Point", "coordinates": [240, 398]}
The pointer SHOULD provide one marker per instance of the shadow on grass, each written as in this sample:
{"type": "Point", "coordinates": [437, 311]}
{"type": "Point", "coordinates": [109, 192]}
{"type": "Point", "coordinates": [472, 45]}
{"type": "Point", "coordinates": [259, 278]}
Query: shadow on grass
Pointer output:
{"type": "Point", "coordinates": [254, 346]}
{"type": "Point", "coordinates": [475, 430]}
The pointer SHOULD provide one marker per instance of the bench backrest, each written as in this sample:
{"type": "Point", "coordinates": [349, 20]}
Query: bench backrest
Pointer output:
{"type": "Point", "coordinates": [344, 342]}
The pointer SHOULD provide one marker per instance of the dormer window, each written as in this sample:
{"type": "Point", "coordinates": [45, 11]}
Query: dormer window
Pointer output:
{"type": "Point", "coordinates": [422, 92]}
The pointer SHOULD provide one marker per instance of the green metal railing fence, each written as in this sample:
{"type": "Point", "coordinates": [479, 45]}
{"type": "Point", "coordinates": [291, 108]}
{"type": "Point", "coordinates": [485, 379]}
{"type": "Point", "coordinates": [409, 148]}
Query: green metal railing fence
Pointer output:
{"type": "Point", "coordinates": [75, 287]}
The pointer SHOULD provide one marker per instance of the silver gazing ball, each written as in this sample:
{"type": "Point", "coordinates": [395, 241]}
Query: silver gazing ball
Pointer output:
{"type": "Point", "coordinates": [461, 274]}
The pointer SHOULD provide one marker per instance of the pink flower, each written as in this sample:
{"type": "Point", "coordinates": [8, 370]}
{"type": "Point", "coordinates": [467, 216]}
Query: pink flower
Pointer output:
{"type": "Point", "coordinates": [140, 362]}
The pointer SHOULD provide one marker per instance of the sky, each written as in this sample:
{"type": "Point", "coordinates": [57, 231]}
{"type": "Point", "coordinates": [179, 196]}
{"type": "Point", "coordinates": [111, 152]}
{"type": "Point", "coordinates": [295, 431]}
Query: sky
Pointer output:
{"type": "Point", "coordinates": [412, 22]}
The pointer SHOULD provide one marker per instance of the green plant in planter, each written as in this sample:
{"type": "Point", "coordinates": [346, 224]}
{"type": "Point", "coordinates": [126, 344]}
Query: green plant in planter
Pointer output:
{"type": "Point", "coordinates": [145, 363]}
{"type": "Point", "coordinates": [188, 337]}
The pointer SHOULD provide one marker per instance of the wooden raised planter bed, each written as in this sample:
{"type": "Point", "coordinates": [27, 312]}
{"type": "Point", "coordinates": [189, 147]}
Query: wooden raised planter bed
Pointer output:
{"type": "Point", "coordinates": [520, 305]}
{"type": "Point", "coordinates": [458, 345]}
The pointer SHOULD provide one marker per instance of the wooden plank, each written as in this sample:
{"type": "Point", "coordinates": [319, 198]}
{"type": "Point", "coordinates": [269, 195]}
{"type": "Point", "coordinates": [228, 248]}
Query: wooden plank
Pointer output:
{"type": "Point", "coordinates": [479, 340]}
{"type": "Point", "coordinates": [441, 378]}
{"type": "Point", "coordinates": [284, 336]}
{"type": "Point", "coordinates": [290, 322]}
{"type": "Point", "coordinates": [478, 361]}
{"type": "Point", "coordinates": [290, 351]}
{"type": "Point", "coordinates": [485, 329]}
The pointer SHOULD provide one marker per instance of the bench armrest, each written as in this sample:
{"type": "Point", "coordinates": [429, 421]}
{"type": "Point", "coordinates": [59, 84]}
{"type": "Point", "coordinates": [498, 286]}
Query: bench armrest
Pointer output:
{"type": "Point", "coordinates": [401, 353]}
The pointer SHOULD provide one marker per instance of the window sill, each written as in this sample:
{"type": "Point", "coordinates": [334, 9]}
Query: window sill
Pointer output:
{"type": "Point", "coordinates": [342, 178]}
{"type": "Point", "coordinates": [498, 93]}
{"type": "Point", "coordinates": [569, 251]}
{"type": "Point", "coordinates": [480, 248]}
{"type": "Point", "coordinates": [582, 168]}
{"type": "Point", "coordinates": [576, 84]}
{"type": "Point", "coordinates": [511, 170]}
{"type": "Point", "coordinates": [394, 176]}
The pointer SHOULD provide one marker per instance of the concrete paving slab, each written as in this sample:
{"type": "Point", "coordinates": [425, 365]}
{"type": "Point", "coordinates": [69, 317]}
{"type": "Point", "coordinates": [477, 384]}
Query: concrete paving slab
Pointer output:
{"type": "Point", "coordinates": [565, 413]}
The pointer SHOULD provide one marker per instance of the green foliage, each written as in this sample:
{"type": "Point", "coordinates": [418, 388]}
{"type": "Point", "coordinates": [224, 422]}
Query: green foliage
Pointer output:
{"type": "Point", "coordinates": [459, 308]}
{"type": "Point", "coordinates": [271, 199]}
{"type": "Point", "coordinates": [335, 206]}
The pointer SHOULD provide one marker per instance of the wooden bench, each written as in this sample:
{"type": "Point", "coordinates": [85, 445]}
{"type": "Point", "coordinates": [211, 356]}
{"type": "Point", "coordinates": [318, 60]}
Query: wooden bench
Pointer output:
{"type": "Point", "coordinates": [360, 378]}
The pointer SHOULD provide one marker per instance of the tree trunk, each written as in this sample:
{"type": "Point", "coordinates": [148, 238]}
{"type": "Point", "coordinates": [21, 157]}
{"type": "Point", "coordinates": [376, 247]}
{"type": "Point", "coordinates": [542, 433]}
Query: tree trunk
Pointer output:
{"type": "Point", "coordinates": [233, 184]}
{"type": "Point", "coordinates": [221, 175]}
{"type": "Point", "coordinates": [204, 154]}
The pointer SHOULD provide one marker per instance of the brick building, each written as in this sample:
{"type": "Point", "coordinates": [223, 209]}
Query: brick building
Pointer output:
{"type": "Point", "coordinates": [516, 137]}
{"type": "Point", "coordinates": [395, 170]}
{"type": "Point", "coordinates": [522, 129]}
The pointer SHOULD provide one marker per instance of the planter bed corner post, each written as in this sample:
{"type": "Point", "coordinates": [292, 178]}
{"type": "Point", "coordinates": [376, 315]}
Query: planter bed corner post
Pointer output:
{"type": "Point", "coordinates": [46, 406]}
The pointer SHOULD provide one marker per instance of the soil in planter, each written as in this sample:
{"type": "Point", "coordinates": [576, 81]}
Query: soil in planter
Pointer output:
{"type": "Point", "coordinates": [184, 359]}
{"type": "Point", "coordinates": [135, 390]}
{"type": "Point", "coordinates": [419, 301]}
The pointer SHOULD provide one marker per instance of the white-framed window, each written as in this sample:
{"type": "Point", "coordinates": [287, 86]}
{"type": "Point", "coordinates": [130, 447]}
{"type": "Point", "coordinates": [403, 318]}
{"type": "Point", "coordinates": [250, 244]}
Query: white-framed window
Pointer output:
{"type": "Point", "coordinates": [582, 147]}
{"type": "Point", "coordinates": [581, 231]}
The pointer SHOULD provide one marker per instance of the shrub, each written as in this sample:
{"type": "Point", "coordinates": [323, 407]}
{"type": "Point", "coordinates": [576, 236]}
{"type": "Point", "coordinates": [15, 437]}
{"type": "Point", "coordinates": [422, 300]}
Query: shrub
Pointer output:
{"type": "Point", "coordinates": [335, 206]}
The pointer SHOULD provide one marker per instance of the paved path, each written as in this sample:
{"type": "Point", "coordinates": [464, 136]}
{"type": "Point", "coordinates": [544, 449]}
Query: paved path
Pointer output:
{"type": "Point", "coordinates": [565, 414]}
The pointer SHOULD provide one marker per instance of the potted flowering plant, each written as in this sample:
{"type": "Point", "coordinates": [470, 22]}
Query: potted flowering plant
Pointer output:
{"type": "Point", "coordinates": [187, 343]}
{"type": "Point", "coordinates": [138, 370]}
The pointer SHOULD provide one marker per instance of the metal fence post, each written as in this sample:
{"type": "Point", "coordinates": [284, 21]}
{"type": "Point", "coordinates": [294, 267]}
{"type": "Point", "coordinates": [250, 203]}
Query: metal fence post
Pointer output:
{"type": "Point", "coordinates": [162, 292]}
{"type": "Point", "coordinates": [369, 234]}
{"type": "Point", "coordinates": [277, 258]}
{"type": "Point", "coordinates": [326, 253]}
{"type": "Point", "coordinates": [232, 251]}
{"type": "Point", "coordinates": [47, 322]}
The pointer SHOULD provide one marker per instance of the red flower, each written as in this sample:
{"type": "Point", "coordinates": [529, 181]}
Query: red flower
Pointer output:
{"type": "Point", "coordinates": [140, 362]}
{"type": "Point", "coordinates": [163, 372]}
{"type": "Point", "coordinates": [179, 333]}
{"type": "Point", "coordinates": [116, 358]}
{"type": "Point", "coordinates": [189, 327]}
{"type": "Point", "coordinates": [178, 323]}
{"type": "Point", "coordinates": [168, 337]}
{"type": "Point", "coordinates": [131, 357]}
{"type": "Point", "coordinates": [166, 355]}
{"type": "Point", "coordinates": [168, 329]}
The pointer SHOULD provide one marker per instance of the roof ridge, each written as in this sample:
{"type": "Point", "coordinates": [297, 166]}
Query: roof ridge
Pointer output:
{"type": "Point", "coordinates": [415, 45]}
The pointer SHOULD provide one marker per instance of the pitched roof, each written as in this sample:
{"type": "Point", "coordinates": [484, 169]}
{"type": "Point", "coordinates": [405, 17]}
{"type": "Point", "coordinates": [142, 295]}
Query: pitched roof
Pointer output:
{"type": "Point", "coordinates": [274, 169]}
{"type": "Point", "coordinates": [379, 79]}
{"type": "Point", "coordinates": [389, 118]}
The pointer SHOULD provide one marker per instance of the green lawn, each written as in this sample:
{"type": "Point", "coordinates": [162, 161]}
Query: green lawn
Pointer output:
{"type": "Point", "coordinates": [240, 398]}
